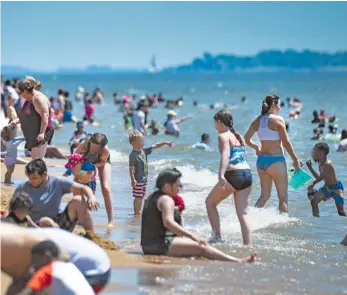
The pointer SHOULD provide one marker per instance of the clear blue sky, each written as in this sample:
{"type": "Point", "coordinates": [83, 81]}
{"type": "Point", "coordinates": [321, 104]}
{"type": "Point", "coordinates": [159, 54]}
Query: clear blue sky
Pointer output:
{"type": "Point", "coordinates": [47, 35]}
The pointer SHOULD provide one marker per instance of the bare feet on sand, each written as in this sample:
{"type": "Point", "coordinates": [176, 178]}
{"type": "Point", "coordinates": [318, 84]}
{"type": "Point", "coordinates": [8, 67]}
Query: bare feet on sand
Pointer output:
{"type": "Point", "coordinates": [249, 259]}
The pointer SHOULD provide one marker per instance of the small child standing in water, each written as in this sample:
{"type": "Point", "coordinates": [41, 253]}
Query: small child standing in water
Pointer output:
{"type": "Point", "coordinates": [138, 167]}
{"type": "Point", "coordinates": [333, 188]}
{"type": "Point", "coordinates": [8, 135]}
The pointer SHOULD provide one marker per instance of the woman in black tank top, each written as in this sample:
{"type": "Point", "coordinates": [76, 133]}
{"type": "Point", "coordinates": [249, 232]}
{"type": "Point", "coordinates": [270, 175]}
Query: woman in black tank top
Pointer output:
{"type": "Point", "coordinates": [35, 119]}
{"type": "Point", "coordinates": [95, 150]}
{"type": "Point", "coordinates": [162, 233]}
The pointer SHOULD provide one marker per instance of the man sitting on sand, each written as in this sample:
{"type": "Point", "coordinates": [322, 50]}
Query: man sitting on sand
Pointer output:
{"type": "Point", "coordinates": [47, 192]}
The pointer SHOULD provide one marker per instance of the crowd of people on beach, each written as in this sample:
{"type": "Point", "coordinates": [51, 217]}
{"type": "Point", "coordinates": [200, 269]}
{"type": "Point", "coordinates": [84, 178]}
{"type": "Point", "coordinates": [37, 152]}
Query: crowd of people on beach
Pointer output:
{"type": "Point", "coordinates": [34, 212]}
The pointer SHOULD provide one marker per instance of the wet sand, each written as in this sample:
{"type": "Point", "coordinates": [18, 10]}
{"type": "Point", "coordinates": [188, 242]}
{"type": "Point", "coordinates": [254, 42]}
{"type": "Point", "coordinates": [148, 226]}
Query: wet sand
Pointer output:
{"type": "Point", "coordinates": [119, 258]}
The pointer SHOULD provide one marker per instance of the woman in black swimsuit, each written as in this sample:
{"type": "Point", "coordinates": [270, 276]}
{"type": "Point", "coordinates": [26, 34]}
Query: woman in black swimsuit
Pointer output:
{"type": "Point", "coordinates": [95, 150]}
{"type": "Point", "coordinates": [162, 233]}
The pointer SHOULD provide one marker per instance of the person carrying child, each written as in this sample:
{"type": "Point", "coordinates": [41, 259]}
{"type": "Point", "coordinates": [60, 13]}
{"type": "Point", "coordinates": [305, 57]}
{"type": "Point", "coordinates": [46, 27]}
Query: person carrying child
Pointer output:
{"type": "Point", "coordinates": [333, 188]}
{"type": "Point", "coordinates": [19, 209]}
{"type": "Point", "coordinates": [138, 166]}
{"type": "Point", "coordinates": [77, 136]}
{"type": "Point", "coordinates": [8, 136]}
{"type": "Point", "coordinates": [83, 171]}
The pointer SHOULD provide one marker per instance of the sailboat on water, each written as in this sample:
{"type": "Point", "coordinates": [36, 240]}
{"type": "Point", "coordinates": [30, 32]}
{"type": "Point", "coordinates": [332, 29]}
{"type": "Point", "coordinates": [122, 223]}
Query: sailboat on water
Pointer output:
{"type": "Point", "coordinates": [153, 68]}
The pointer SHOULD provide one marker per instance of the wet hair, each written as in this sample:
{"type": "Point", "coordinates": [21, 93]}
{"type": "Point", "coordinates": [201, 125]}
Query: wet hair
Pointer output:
{"type": "Point", "coordinates": [7, 133]}
{"type": "Point", "coordinates": [46, 246]}
{"type": "Point", "coordinates": [343, 134]}
{"type": "Point", "coordinates": [204, 137]}
{"type": "Point", "coordinates": [134, 135]}
{"type": "Point", "coordinates": [227, 119]}
{"type": "Point", "coordinates": [315, 113]}
{"type": "Point", "coordinates": [20, 199]}
{"type": "Point", "coordinates": [37, 165]}
{"type": "Point", "coordinates": [168, 176]}
{"type": "Point", "coordinates": [79, 123]}
{"type": "Point", "coordinates": [268, 102]}
{"type": "Point", "coordinates": [322, 146]}
{"type": "Point", "coordinates": [28, 84]}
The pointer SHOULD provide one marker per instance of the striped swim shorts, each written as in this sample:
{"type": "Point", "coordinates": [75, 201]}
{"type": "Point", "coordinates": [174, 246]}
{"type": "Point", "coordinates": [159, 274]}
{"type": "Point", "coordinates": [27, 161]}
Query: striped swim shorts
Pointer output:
{"type": "Point", "coordinates": [139, 190]}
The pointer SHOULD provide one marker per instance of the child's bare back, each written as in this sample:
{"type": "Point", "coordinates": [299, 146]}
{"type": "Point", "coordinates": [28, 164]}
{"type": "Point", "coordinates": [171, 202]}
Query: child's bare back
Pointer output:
{"type": "Point", "coordinates": [329, 175]}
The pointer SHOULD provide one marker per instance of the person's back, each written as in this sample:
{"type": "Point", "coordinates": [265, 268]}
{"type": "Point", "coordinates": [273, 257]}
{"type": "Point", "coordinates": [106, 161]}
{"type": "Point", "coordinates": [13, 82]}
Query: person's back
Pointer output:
{"type": "Point", "coordinates": [138, 119]}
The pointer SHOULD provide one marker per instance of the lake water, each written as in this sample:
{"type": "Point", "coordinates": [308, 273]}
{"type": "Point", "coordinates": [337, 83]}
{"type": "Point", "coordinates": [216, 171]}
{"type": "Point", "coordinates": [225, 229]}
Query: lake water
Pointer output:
{"type": "Point", "coordinates": [298, 254]}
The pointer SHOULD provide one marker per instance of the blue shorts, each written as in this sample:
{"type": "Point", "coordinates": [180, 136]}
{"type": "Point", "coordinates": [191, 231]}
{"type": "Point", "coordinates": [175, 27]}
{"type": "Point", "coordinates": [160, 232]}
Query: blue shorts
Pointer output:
{"type": "Point", "coordinates": [264, 161]}
{"type": "Point", "coordinates": [334, 191]}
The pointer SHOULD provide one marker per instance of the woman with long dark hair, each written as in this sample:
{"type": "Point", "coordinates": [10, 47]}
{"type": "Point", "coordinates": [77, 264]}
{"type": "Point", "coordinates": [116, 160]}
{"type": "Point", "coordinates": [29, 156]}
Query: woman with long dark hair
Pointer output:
{"type": "Point", "coordinates": [271, 163]}
{"type": "Point", "coordinates": [235, 176]}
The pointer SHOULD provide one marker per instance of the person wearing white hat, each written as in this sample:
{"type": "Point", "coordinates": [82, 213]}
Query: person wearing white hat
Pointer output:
{"type": "Point", "coordinates": [171, 125]}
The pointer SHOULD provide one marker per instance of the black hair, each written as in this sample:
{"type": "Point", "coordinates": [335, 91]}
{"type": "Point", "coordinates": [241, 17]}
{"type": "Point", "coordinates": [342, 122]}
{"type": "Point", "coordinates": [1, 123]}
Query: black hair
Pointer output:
{"type": "Point", "coordinates": [227, 119]}
{"type": "Point", "coordinates": [66, 94]}
{"type": "Point", "coordinates": [168, 176]}
{"type": "Point", "coordinates": [89, 101]}
{"type": "Point", "coordinates": [43, 247]}
{"type": "Point", "coordinates": [80, 123]}
{"type": "Point", "coordinates": [344, 134]}
{"type": "Point", "coordinates": [60, 91]}
{"type": "Point", "coordinates": [8, 83]}
{"type": "Point", "coordinates": [204, 137]}
{"type": "Point", "coordinates": [268, 102]}
{"type": "Point", "coordinates": [322, 146]}
{"type": "Point", "coordinates": [20, 199]}
{"type": "Point", "coordinates": [6, 133]}
{"type": "Point", "coordinates": [36, 165]}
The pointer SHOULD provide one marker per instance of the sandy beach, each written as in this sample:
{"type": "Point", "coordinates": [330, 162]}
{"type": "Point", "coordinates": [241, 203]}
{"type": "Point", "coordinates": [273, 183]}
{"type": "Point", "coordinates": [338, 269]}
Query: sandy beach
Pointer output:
{"type": "Point", "coordinates": [119, 258]}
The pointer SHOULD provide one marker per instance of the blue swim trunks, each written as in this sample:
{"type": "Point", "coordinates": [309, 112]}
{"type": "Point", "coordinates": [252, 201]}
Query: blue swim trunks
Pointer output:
{"type": "Point", "coordinates": [334, 191]}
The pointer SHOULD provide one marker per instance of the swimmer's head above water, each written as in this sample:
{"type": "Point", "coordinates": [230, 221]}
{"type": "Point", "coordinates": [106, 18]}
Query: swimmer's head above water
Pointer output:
{"type": "Point", "coordinates": [271, 104]}
{"type": "Point", "coordinates": [205, 138]}
{"type": "Point", "coordinates": [223, 120]}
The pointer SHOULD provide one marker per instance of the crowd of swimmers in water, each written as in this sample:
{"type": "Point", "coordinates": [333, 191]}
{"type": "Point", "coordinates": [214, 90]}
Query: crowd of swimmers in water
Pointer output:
{"type": "Point", "coordinates": [162, 228]}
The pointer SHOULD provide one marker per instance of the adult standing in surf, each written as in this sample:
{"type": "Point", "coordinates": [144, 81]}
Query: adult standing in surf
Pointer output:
{"type": "Point", "coordinates": [271, 163]}
{"type": "Point", "coordinates": [35, 119]}
{"type": "Point", "coordinates": [95, 150]}
{"type": "Point", "coordinates": [235, 176]}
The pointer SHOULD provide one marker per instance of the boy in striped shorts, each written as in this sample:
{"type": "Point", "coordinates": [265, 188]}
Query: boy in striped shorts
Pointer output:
{"type": "Point", "coordinates": [138, 167]}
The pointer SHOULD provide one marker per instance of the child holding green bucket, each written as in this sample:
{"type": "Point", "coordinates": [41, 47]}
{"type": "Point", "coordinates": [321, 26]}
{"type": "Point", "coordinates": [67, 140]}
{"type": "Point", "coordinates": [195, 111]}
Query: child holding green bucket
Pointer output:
{"type": "Point", "coordinates": [332, 189]}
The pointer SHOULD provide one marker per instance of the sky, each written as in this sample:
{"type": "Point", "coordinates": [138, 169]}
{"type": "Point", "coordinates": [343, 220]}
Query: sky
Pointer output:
{"type": "Point", "coordinates": [49, 35]}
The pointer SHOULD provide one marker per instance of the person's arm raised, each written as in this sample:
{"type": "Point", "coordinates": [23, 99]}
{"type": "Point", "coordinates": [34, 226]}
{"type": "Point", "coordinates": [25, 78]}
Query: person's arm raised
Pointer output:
{"type": "Point", "coordinates": [253, 128]}
{"type": "Point", "coordinates": [160, 144]}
